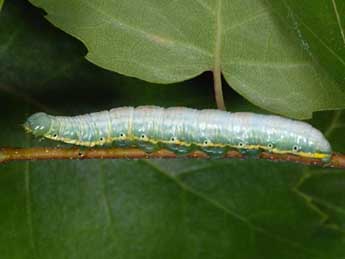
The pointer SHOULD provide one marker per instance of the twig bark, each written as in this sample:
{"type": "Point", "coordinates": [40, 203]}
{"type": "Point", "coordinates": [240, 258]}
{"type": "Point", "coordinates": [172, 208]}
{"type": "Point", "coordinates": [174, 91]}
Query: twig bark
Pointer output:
{"type": "Point", "coordinates": [45, 153]}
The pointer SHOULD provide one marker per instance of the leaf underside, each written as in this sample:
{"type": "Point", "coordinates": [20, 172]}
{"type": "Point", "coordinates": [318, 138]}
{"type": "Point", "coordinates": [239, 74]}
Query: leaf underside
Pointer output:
{"type": "Point", "coordinates": [262, 52]}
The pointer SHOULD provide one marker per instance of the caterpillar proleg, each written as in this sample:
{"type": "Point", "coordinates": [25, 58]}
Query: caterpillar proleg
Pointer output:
{"type": "Point", "coordinates": [183, 130]}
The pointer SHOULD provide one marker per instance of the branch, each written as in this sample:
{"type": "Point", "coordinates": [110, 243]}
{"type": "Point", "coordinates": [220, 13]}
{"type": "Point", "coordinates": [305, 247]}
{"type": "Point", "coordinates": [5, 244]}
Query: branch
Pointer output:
{"type": "Point", "coordinates": [42, 153]}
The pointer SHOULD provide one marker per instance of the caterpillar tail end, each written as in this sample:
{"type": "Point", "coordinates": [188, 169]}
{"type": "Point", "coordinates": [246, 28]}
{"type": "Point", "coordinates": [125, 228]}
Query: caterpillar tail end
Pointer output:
{"type": "Point", "coordinates": [38, 124]}
{"type": "Point", "coordinates": [327, 159]}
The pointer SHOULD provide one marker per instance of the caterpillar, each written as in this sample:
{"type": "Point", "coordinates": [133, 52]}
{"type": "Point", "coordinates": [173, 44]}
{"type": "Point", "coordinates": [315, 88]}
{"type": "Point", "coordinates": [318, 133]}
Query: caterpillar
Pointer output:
{"type": "Point", "coordinates": [183, 130]}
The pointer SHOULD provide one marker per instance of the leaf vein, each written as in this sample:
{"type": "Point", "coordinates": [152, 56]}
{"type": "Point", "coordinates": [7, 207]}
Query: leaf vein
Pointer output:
{"type": "Point", "coordinates": [342, 61]}
{"type": "Point", "coordinates": [246, 21]}
{"type": "Point", "coordinates": [157, 39]}
{"type": "Point", "coordinates": [205, 6]}
{"type": "Point", "coordinates": [338, 20]}
{"type": "Point", "coordinates": [227, 211]}
{"type": "Point", "coordinates": [334, 122]}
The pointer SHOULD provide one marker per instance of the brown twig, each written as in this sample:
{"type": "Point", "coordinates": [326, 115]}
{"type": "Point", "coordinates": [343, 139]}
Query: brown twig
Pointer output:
{"type": "Point", "coordinates": [45, 153]}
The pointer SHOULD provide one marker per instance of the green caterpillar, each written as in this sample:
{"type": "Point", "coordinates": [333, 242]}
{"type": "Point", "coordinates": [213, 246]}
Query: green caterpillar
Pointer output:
{"type": "Point", "coordinates": [183, 130]}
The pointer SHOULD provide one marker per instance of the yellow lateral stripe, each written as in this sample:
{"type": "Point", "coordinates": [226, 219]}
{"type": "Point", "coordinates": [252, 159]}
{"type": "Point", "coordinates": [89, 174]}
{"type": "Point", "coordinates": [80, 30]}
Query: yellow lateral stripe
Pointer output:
{"type": "Point", "coordinates": [133, 138]}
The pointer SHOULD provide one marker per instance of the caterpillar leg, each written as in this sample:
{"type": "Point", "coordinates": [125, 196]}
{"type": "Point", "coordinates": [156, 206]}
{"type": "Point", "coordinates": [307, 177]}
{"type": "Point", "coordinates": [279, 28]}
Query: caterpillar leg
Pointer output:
{"type": "Point", "coordinates": [215, 152]}
{"type": "Point", "coordinates": [252, 153]}
{"type": "Point", "coordinates": [178, 149]}
{"type": "Point", "coordinates": [147, 147]}
{"type": "Point", "coordinates": [122, 143]}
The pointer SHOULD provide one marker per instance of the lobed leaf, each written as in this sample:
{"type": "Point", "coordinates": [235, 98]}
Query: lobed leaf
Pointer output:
{"type": "Point", "coordinates": [258, 46]}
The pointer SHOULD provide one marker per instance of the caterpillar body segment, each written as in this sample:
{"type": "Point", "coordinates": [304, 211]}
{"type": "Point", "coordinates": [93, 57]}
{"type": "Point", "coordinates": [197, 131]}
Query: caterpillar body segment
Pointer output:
{"type": "Point", "coordinates": [183, 130]}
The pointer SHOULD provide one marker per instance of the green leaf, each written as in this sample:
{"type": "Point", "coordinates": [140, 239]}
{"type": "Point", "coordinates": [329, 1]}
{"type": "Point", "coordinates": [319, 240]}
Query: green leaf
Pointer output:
{"type": "Point", "coordinates": [321, 28]}
{"type": "Point", "coordinates": [334, 129]}
{"type": "Point", "coordinates": [326, 188]}
{"type": "Point", "coordinates": [145, 209]}
{"type": "Point", "coordinates": [203, 209]}
{"type": "Point", "coordinates": [262, 56]}
{"type": "Point", "coordinates": [327, 192]}
{"type": "Point", "coordinates": [1, 3]}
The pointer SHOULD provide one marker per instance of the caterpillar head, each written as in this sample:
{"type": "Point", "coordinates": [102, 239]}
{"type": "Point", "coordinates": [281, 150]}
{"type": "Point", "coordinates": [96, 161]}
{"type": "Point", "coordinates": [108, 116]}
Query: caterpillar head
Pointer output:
{"type": "Point", "coordinates": [38, 124]}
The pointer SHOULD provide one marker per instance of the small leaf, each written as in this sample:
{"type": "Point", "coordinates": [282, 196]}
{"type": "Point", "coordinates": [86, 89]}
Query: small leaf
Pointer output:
{"type": "Point", "coordinates": [261, 57]}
